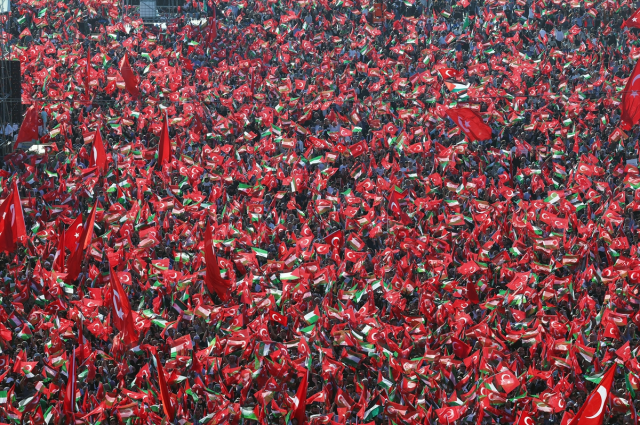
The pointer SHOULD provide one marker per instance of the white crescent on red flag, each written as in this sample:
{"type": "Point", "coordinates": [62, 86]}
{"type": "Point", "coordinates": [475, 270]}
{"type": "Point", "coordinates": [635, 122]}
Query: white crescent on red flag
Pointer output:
{"type": "Point", "coordinates": [630, 106]}
{"type": "Point", "coordinates": [449, 73]}
{"type": "Point", "coordinates": [358, 148]}
{"type": "Point", "coordinates": [73, 234]}
{"type": "Point", "coordinates": [526, 419]}
{"type": "Point", "coordinates": [122, 317]}
{"type": "Point", "coordinates": [470, 123]}
{"type": "Point", "coordinates": [335, 239]}
{"type": "Point", "coordinates": [12, 227]}
{"type": "Point", "coordinates": [592, 411]}
{"type": "Point", "coordinates": [74, 263]}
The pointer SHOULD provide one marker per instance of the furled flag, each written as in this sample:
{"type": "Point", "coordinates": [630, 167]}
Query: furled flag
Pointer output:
{"type": "Point", "coordinates": [98, 155]}
{"type": "Point", "coordinates": [213, 279]}
{"type": "Point", "coordinates": [58, 260]}
{"type": "Point", "coordinates": [592, 411]}
{"type": "Point", "coordinates": [164, 148]}
{"type": "Point", "coordinates": [470, 123]}
{"type": "Point", "coordinates": [633, 21]}
{"type": "Point", "coordinates": [70, 394]}
{"type": "Point", "coordinates": [87, 77]}
{"type": "Point", "coordinates": [213, 28]}
{"type": "Point", "coordinates": [29, 127]}
{"type": "Point", "coordinates": [301, 401]}
{"type": "Point", "coordinates": [167, 406]}
{"type": "Point", "coordinates": [630, 105]}
{"type": "Point", "coordinates": [12, 228]}
{"type": "Point", "coordinates": [130, 79]}
{"type": "Point", "coordinates": [122, 317]}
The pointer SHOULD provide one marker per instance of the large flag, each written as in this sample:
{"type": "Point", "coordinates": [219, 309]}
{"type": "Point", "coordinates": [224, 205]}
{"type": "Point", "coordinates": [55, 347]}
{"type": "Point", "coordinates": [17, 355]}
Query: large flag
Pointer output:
{"type": "Point", "coordinates": [592, 411]}
{"type": "Point", "coordinates": [470, 123]}
{"type": "Point", "coordinates": [122, 317]}
{"type": "Point", "coordinates": [213, 279]}
{"type": "Point", "coordinates": [630, 105]}
{"type": "Point", "coordinates": [167, 406]}
{"type": "Point", "coordinates": [12, 228]}
{"type": "Point", "coordinates": [98, 155]}
{"type": "Point", "coordinates": [633, 21]}
{"type": "Point", "coordinates": [164, 147]}
{"type": "Point", "coordinates": [130, 79]}
{"type": "Point", "coordinates": [29, 127]}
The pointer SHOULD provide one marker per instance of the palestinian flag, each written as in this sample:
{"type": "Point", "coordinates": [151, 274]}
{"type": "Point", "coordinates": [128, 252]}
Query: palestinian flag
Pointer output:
{"type": "Point", "coordinates": [455, 87]}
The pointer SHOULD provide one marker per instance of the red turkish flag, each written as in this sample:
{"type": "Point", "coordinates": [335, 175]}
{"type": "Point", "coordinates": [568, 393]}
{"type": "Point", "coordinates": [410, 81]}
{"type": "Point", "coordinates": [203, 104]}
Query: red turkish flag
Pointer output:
{"type": "Point", "coordinates": [58, 260]}
{"type": "Point", "coordinates": [526, 419]}
{"type": "Point", "coordinates": [470, 123]}
{"type": "Point", "coordinates": [122, 317]}
{"type": "Point", "coordinates": [630, 105]}
{"type": "Point", "coordinates": [278, 318]}
{"type": "Point", "coordinates": [345, 132]}
{"type": "Point", "coordinates": [449, 414]}
{"type": "Point", "coordinates": [472, 293]}
{"type": "Point", "coordinates": [321, 249]}
{"type": "Point", "coordinates": [130, 79]}
{"type": "Point", "coordinates": [335, 239]}
{"type": "Point", "coordinates": [74, 264]}
{"type": "Point", "coordinates": [592, 411]}
{"type": "Point", "coordinates": [87, 78]}
{"type": "Point", "coordinates": [633, 21]}
{"type": "Point", "coordinates": [70, 393]}
{"type": "Point", "coordinates": [73, 234]}
{"type": "Point", "coordinates": [359, 148]}
{"type": "Point", "coordinates": [98, 155]}
{"type": "Point", "coordinates": [301, 397]}
{"type": "Point", "coordinates": [624, 352]}
{"type": "Point", "coordinates": [468, 268]}
{"type": "Point", "coordinates": [12, 228]}
{"type": "Point", "coordinates": [611, 330]}
{"type": "Point", "coordinates": [449, 73]}
{"type": "Point", "coordinates": [460, 348]}
{"type": "Point", "coordinates": [29, 127]}
{"type": "Point", "coordinates": [213, 28]}
{"type": "Point", "coordinates": [164, 148]}
{"type": "Point", "coordinates": [167, 406]}
{"type": "Point", "coordinates": [214, 281]}
{"type": "Point", "coordinates": [507, 380]}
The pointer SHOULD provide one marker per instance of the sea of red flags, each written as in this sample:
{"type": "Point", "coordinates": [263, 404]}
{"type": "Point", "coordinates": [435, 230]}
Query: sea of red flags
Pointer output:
{"type": "Point", "coordinates": [289, 213]}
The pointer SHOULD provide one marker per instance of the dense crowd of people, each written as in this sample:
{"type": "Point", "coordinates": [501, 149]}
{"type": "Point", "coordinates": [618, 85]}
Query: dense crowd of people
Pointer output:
{"type": "Point", "coordinates": [377, 261]}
